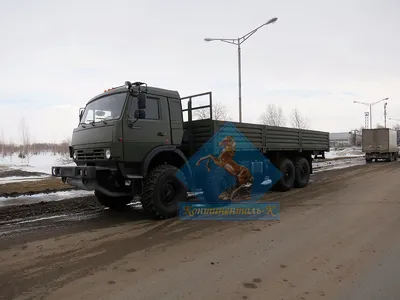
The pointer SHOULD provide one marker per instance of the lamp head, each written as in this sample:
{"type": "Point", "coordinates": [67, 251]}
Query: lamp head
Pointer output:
{"type": "Point", "coordinates": [273, 20]}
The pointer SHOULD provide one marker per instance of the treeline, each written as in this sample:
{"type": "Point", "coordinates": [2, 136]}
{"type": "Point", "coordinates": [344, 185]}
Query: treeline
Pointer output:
{"type": "Point", "coordinates": [8, 149]}
{"type": "Point", "coordinates": [273, 116]}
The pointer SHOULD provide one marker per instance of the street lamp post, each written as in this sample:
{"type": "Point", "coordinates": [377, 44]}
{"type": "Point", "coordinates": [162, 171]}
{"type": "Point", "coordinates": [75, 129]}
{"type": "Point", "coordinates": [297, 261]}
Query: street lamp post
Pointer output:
{"type": "Point", "coordinates": [370, 108]}
{"type": "Point", "coordinates": [384, 112]}
{"type": "Point", "coordinates": [238, 42]}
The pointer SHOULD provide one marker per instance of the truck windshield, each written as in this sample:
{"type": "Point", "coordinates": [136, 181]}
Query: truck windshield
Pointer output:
{"type": "Point", "coordinates": [103, 109]}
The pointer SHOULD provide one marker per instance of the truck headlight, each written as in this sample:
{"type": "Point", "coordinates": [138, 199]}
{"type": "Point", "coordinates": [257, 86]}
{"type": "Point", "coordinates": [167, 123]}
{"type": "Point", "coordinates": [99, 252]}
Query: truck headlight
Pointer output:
{"type": "Point", "coordinates": [75, 155]}
{"type": "Point", "coordinates": [108, 153]}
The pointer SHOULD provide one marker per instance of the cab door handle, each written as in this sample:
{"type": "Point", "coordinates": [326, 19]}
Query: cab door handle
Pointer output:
{"type": "Point", "coordinates": [161, 134]}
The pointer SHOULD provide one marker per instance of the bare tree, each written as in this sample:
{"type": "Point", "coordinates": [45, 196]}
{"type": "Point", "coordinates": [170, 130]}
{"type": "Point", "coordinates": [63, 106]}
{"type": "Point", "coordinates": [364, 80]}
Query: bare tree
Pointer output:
{"type": "Point", "coordinates": [2, 143]}
{"type": "Point", "coordinates": [219, 112]}
{"type": "Point", "coordinates": [273, 116]}
{"type": "Point", "coordinates": [32, 147]}
{"type": "Point", "coordinates": [12, 148]}
{"type": "Point", "coordinates": [396, 127]}
{"type": "Point", "coordinates": [359, 136]}
{"type": "Point", "coordinates": [299, 121]}
{"type": "Point", "coordinates": [25, 139]}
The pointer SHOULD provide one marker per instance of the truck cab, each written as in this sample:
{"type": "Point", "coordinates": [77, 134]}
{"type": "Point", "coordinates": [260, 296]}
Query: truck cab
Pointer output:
{"type": "Point", "coordinates": [122, 134]}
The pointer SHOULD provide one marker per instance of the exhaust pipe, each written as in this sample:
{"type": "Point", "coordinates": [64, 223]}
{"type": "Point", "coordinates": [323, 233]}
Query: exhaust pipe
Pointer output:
{"type": "Point", "coordinates": [92, 185]}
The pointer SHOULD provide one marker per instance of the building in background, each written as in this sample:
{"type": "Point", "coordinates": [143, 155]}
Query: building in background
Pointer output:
{"type": "Point", "coordinates": [340, 139]}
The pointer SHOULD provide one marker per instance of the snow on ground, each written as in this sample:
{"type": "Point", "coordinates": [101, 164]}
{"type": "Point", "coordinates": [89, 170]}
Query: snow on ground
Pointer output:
{"type": "Point", "coordinates": [57, 196]}
{"type": "Point", "coordinates": [41, 162]}
{"type": "Point", "coordinates": [337, 164]}
{"type": "Point", "coordinates": [343, 152]}
{"type": "Point", "coordinates": [12, 179]}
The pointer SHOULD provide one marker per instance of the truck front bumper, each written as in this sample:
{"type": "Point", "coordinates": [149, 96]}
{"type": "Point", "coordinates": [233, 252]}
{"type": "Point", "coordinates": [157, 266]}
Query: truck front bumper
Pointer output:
{"type": "Point", "coordinates": [83, 172]}
{"type": "Point", "coordinates": [85, 178]}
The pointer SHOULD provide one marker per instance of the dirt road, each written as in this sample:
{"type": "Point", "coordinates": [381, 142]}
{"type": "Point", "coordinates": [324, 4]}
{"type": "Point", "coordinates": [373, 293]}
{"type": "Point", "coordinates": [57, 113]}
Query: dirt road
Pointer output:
{"type": "Point", "coordinates": [337, 239]}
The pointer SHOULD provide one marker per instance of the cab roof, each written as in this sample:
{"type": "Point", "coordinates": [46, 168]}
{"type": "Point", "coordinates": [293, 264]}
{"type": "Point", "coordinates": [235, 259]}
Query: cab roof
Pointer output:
{"type": "Point", "coordinates": [150, 91]}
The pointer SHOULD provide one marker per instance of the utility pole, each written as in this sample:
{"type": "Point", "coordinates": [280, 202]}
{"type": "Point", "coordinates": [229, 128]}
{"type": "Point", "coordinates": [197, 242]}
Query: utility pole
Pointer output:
{"type": "Point", "coordinates": [370, 108]}
{"type": "Point", "coordinates": [238, 42]}
{"type": "Point", "coordinates": [384, 112]}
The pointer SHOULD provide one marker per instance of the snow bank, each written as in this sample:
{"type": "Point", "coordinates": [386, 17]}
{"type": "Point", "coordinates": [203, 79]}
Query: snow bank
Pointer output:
{"type": "Point", "coordinates": [41, 162]}
{"type": "Point", "coordinates": [57, 196]}
{"type": "Point", "coordinates": [353, 151]}
{"type": "Point", "coordinates": [337, 164]}
{"type": "Point", "coordinates": [12, 179]}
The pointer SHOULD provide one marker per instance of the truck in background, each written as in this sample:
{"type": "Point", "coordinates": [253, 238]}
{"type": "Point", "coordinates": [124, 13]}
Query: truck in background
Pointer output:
{"type": "Point", "coordinates": [380, 143]}
{"type": "Point", "coordinates": [132, 140]}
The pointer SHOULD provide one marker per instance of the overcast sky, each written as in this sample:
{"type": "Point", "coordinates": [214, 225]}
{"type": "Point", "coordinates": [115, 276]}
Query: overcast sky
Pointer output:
{"type": "Point", "coordinates": [319, 56]}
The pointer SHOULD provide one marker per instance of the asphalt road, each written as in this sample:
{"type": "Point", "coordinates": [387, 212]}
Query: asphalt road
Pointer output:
{"type": "Point", "coordinates": [337, 239]}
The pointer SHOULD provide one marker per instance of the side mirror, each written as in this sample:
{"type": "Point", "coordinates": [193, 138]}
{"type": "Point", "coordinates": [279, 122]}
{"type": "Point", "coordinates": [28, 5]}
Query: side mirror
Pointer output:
{"type": "Point", "coordinates": [142, 98]}
{"type": "Point", "coordinates": [140, 114]}
{"type": "Point", "coordinates": [81, 114]}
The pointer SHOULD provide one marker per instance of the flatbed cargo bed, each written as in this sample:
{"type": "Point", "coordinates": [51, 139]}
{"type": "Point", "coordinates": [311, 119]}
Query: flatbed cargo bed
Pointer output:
{"type": "Point", "coordinates": [263, 137]}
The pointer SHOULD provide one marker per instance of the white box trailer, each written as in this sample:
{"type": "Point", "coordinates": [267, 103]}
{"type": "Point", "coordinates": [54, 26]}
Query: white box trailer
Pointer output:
{"type": "Point", "coordinates": [380, 143]}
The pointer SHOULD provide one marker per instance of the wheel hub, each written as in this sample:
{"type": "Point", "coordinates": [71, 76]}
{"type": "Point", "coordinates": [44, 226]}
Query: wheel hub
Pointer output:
{"type": "Point", "coordinates": [287, 175]}
{"type": "Point", "coordinates": [169, 192]}
{"type": "Point", "coordinates": [303, 172]}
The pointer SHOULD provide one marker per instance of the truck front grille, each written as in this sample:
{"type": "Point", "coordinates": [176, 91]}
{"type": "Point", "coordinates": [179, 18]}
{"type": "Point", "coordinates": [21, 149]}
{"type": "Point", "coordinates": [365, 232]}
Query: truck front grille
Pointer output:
{"type": "Point", "coordinates": [90, 154]}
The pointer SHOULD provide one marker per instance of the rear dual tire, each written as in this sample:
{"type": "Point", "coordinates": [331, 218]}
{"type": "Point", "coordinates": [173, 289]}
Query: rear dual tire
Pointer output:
{"type": "Point", "coordinates": [295, 174]}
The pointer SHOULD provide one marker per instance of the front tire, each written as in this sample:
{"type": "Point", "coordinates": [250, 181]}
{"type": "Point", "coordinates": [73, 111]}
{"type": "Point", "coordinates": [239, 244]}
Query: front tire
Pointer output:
{"type": "Point", "coordinates": [163, 190]}
{"type": "Point", "coordinates": [115, 203]}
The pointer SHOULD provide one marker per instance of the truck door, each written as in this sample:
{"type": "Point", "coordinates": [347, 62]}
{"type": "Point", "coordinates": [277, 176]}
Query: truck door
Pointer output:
{"type": "Point", "coordinates": [146, 134]}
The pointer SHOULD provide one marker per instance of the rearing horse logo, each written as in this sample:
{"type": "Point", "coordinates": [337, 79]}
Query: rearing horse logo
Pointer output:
{"type": "Point", "coordinates": [225, 160]}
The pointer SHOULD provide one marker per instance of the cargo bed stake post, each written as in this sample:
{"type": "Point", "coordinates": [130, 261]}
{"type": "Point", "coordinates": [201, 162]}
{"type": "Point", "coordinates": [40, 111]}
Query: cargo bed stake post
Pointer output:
{"type": "Point", "coordinates": [238, 42]}
{"type": "Point", "coordinates": [190, 116]}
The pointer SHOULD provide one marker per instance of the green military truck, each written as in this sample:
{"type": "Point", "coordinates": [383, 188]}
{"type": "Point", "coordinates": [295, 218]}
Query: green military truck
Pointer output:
{"type": "Point", "coordinates": [133, 140]}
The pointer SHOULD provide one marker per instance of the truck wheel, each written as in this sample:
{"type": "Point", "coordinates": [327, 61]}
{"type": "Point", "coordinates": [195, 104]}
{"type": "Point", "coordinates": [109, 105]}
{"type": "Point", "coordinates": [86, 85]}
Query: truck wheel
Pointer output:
{"type": "Point", "coordinates": [302, 172]}
{"type": "Point", "coordinates": [286, 182]}
{"type": "Point", "coordinates": [368, 160]}
{"type": "Point", "coordinates": [163, 190]}
{"type": "Point", "coordinates": [116, 203]}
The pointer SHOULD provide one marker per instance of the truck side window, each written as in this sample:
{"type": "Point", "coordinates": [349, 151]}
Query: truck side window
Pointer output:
{"type": "Point", "coordinates": [152, 109]}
